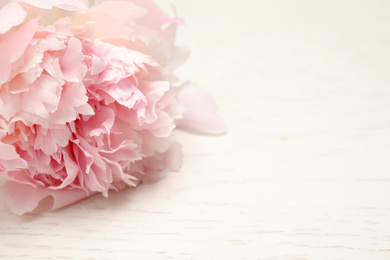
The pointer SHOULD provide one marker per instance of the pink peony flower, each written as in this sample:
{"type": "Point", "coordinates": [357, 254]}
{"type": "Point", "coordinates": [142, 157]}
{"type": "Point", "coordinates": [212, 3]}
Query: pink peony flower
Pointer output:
{"type": "Point", "coordinates": [87, 100]}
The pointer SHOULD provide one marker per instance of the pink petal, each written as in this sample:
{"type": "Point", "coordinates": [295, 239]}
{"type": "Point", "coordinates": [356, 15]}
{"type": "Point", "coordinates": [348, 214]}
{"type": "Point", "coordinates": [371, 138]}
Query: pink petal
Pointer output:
{"type": "Point", "coordinates": [98, 65]}
{"type": "Point", "coordinates": [13, 47]}
{"type": "Point", "coordinates": [201, 112]}
{"type": "Point", "coordinates": [70, 5]}
{"type": "Point", "coordinates": [159, 17]}
{"type": "Point", "coordinates": [72, 103]}
{"type": "Point", "coordinates": [49, 140]}
{"type": "Point", "coordinates": [72, 170]}
{"type": "Point", "coordinates": [5, 65]}
{"type": "Point", "coordinates": [120, 10]}
{"type": "Point", "coordinates": [125, 93]}
{"type": "Point", "coordinates": [7, 152]}
{"type": "Point", "coordinates": [93, 168]}
{"type": "Point", "coordinates": [113, 18]}
{"type": "Point", "coordinates": [101, 123]}
{"type": "Point", "coordinates": [163, 126]}
{"type": "Point", "coordinates": [42, 98]}
{"type": "Point", "coordinates": [157, 167]}
{"type": "Point", "coordinates": [173, 158]}
{"type": "Point", "coordinates": [153, 91]}
{"type": "Point", "coordinates": [71, 65]}
{"type": "Point", "coordinates": [9, 158]}
{"type": "Point", "coordinates": [11, 15]}
{"type": "Point", "coordinates": [22, 198]}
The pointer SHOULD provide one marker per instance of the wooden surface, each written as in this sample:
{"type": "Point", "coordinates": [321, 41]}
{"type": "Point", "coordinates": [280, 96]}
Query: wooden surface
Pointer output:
{"type": "Point", "coordinates": [304, 171]}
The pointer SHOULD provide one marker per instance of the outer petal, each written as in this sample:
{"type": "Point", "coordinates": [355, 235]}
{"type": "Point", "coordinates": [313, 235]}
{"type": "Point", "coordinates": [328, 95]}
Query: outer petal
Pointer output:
{"type": "Point", "coordinates": [70, 5]}
{"type": "Point", "coordinates": [201, 112]}
{"type": "Point", "coordinates": [11, 15]}
{"type": "Point", "coordinates": [13, 46]}
{"type": "Point", "coordinates": [159, 17]}
{"type": "Point", "coordinates": [22, 198]}
{"type": "Point", "coordinates": [113, 19]}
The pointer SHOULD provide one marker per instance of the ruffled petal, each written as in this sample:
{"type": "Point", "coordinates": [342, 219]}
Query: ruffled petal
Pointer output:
{"type": "Point", "coordinates": [9, 158]}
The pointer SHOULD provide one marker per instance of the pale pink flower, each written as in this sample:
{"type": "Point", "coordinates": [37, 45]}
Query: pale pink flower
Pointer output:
{"type": "Point", "coordinates": [87, 102]}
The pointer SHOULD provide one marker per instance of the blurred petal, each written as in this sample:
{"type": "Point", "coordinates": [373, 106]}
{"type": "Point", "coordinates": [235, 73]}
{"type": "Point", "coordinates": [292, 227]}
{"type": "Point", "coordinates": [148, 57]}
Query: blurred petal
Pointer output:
{"type": "Point", "coordinates": [157, 167]}
{"type": "Point", "coordinates": [11, 15]}
{"type": "Point", "coordinates": [201, 112]}
{"type": "Point", "coordinates": [70, 5]}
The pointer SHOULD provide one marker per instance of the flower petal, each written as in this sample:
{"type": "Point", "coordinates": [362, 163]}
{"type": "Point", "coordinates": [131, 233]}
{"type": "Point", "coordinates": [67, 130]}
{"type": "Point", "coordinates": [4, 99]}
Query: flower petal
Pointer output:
{"type": "Point", "coordinates": [201, 112]}
{"type": "Point", "coordinates": [22, 198]}
{"type": "Point", "coordinates": [11, 15]}
{"type": "Point", "coordinates": [13, 46]}
{"type": "Point", "coordinates": [9, 158]}
{"type": "Point", "coordinates": [70, 5]}
{"type": "Point", "coordinates": [71, 63]}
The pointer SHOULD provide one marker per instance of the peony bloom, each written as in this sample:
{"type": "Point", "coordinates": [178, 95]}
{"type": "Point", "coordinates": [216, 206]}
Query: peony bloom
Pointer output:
{"type": "Point", "coordinates": [88, 102]}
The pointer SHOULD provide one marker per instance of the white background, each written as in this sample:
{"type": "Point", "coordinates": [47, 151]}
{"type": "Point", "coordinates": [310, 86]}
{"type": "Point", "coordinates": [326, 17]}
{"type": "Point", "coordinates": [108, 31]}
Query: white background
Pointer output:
{"type": "Point", "coordinates": [303, 172]}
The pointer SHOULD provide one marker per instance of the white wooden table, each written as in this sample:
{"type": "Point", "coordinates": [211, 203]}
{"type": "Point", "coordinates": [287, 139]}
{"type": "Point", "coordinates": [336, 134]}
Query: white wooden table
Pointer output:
{"type": "Point", "coordinates": [304, 172]}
